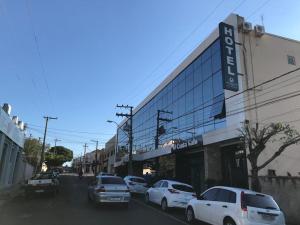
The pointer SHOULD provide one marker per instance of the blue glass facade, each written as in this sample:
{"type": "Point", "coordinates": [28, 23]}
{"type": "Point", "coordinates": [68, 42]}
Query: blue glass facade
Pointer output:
{"type": "Point", "coordinates": [195, 98]}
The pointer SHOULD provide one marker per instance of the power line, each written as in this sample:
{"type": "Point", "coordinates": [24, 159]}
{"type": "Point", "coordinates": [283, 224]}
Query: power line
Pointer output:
{"type": "Point", "coordinates": [35, 37]}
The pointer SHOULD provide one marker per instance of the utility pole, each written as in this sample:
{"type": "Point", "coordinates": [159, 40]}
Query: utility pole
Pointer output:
{"type": "Point", "coordinates": [84, 163]}
{"type": "Point", "coordinates": [158, 119]}
{"type": "Point", "coordinates": [129, 116]}
{"type": "Point", "coordinates": [96, 156]}
{"type": "Point", "coordinates": [44, 140]}
{"type": "Point", "coordinates": [55, 141]}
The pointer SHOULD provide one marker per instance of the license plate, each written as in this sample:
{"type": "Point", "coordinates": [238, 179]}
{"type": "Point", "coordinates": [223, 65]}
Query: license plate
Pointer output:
{"type": "Point", "coordinates": [268, 217]}
{"type": "Point", "coordinates": [39, 191]}
{"type": "Point", "coordinates": [115, 199]}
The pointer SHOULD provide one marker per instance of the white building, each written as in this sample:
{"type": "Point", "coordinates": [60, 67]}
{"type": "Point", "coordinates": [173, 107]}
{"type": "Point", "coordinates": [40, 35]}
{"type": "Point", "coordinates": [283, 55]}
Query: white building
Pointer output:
{"type": "Point", "coordinates": [13, 167]}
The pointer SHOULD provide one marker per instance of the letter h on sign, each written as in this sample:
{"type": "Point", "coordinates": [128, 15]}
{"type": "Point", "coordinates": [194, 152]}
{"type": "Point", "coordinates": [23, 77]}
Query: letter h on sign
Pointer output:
{"type": "Point", "coordinates": [228, 55]}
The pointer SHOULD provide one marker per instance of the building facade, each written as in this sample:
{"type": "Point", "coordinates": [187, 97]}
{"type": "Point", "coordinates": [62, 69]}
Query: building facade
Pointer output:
{"type": "Point", "coordinates": [12, 163]}
{"type": "Point", "coordinates": [188, 127]}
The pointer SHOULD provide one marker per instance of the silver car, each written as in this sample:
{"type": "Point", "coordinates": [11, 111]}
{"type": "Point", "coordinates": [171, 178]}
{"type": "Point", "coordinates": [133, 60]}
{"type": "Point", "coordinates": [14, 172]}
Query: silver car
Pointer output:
{"type": "Point", "coordinates": [109, 189]}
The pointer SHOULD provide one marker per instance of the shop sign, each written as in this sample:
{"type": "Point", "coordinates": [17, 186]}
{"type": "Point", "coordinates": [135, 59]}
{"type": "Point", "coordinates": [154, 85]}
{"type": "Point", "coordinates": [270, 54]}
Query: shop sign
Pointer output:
{"type": "Point", "coordinates": [186, 144]}
{"type": "Point", "coordinates": [228, 55]}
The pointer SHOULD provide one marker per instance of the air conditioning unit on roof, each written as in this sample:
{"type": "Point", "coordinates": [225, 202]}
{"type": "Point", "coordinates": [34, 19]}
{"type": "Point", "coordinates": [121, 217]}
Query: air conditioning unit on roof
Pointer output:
{"type": "Point", "coordinates": [259, 30]}
{"type": "Point", "coordinates": [247, 27]}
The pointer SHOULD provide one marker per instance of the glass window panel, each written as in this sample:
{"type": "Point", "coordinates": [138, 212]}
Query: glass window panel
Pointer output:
{"type": "Point", "coordinates": [181, 88]}
{"type": "Point", "coordinates": [198, 118]}
{"type": "Point", "coordinates": [189, 101]}
{"type": "Point", "coordinates": [206, 114]}
{"type": "Point", "coordinates": [198, 61]}
{"type": "Point", "coordinates": [216, 62]}
{"type": "Point", "coordinates": [175, 93]}
{"type": "Point", "coordinates": [207, 91]}
{"type": "Point", "coordinates": [189, 81]}
{"type": "Point", "coordinates": [206, 55]}
{"type": "Point", "coordinates": [218, 84]}
{"type": "Point", "coordinates": [218, 105]}
{"type": "Point", "coordinates": [215, 46]}
{"type": "Point", "coordinates": [197, 76]}
{"type": "Point", "coordinates": [206, 69]}
{"type": "Point", "coordinates": [181, 106]}
{"type": "Point", "coordinates": [198, 99]}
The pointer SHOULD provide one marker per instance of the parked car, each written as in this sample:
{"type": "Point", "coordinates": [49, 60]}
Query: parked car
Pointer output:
{"type": "Point", "coordinates": [169, 194]}
{"type": "Point", "coordinates": [42, 183]}
{"type": "Point", "coordinates": [105, 174]}
{"type": "Point", "coordinates": [109, 189]}
{"type": "Point", "coordinates": [234, 206]}
{"type": "Point", "coordinates": [136, 184]}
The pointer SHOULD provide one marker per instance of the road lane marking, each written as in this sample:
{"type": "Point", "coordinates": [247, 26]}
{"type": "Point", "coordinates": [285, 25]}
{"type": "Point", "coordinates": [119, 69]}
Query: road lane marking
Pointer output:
{"type": "Point", "coordinates": [160, 212]}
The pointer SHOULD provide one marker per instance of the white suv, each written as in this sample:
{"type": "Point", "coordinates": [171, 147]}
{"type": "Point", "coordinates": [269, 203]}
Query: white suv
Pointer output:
{"type": "Point", "coordinates": [234, 206]}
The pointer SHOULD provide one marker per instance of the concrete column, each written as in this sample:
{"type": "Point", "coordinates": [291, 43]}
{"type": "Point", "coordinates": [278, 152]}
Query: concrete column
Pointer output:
{"type": "Point", "coordinates": [213, 164]}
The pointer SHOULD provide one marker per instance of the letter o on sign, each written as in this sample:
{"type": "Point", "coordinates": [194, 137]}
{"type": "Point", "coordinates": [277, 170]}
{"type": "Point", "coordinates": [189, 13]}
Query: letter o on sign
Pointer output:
{"type": "Point", "coordinates": [229, 40]}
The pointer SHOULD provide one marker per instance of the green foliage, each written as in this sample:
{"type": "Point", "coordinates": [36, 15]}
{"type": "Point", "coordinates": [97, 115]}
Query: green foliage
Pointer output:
{"type": "Point", "coordinates": [56, 156]}
{"type": "Point", "coordinates": [32, 150]}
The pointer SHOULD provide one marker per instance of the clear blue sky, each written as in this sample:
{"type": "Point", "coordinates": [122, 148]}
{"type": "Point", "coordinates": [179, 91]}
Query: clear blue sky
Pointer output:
{"type": "Point", "coordinates": [90, 55]}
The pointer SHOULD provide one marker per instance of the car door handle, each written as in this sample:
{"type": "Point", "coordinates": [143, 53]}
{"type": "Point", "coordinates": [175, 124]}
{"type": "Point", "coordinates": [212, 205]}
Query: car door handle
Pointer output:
{"type": "Point", "coordinates": [224, 206]}
{"type": "Point", "coordinates": [208, 204]}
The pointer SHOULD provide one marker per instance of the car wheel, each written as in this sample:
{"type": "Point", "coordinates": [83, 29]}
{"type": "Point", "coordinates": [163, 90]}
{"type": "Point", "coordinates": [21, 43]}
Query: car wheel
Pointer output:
{"type": "Point", "coordinates": [229, 222]}
{"type": "Point", "coordinates": [189, 215]}
{"type": "Point", "coordinates": [147, 198]}
{"type": "Point", "coordinates": [164, 204]}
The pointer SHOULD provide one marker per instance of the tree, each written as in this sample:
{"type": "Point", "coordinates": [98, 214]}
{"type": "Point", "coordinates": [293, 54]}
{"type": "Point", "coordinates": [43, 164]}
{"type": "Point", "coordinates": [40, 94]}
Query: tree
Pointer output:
{"type": "Point", "coordinates": [56, 156]}
{"type": "Point", "coordinates": [256, 139]}
{"type": "Point", "coordinates": [32, 150]}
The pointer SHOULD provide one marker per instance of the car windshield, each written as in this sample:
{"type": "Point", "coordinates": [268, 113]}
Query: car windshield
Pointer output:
{"type": "Point", "coordinates": [137, 180]}
{"type": "Point", "coordinates": [112, 180]}
{"type": "Point", "coordinates": [182, 187]}
{"type": "Point", "coordinates": [260, 201]}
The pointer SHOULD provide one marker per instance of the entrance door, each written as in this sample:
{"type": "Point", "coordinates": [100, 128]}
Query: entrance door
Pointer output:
{"type": "Point", "coordinates": [234, 166]}
{"type": "Point", "coordinates": [190, 169]}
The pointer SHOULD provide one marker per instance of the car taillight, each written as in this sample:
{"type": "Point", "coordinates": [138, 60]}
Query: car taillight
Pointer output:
{"type": "Point", "coordinates": [130, 183]}
{"type": "Point", "coordinates": [101, 189]}
{"type": "Point", "coordinates": [243, 202]}
{"type": "Point", "coordinates": [173, 191]}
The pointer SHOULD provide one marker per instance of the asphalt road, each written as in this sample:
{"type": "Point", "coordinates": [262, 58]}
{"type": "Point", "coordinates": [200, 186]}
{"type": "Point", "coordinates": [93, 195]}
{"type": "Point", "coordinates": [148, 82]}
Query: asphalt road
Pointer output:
{"type": "Point", "coordinates": [71, 207]}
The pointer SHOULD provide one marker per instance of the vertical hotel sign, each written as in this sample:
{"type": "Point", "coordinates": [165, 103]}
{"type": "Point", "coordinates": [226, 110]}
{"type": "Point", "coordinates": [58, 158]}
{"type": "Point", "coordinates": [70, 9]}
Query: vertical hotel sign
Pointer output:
{"type": "Point", "coordinates": [228, 55]}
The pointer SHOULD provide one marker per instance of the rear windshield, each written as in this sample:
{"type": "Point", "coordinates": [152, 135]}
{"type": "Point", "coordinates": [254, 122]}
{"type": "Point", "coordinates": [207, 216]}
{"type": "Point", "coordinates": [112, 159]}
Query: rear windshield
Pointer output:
{"type": "Point", "coordinates": [43, 176]}
{"type": "Point", "coordinates": [260, 201]}
{"type": "Point", "coordinates": [182, 187]}
{"type": "Point", "coordinates": [137, 180]}
{"type": "Point", "coordinates": [112, 180]}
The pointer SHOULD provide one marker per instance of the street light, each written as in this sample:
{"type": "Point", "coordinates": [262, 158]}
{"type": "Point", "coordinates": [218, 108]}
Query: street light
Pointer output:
{"type": "Point", "coordinates": [116, 143]}
{"type": "Point", "coordinates": [96, 158]}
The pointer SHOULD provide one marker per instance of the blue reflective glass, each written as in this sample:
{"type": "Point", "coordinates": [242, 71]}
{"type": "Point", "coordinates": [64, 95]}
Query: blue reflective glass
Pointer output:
{"type": "Point", "coordinates": [207, 91]}
{"type": "Point", "coordinates": [197, 76]}
{"type": "Point", "coordinates": [198, 100]}
{"type": "Point", "coordinates": [216, 62]}
{"type": "Point", "coordinates": [217, 84]}
{"type": "Point", "coordinates": [206, 69]}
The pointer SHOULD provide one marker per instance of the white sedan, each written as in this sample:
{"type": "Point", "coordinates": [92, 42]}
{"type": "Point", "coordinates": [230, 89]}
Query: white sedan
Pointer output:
{"type": "Point", "coordinates": [136, 184]}
{"type": "Point", "coordinates": [233, 206]}
{"type": "Point", "coordinates": [169, 194]}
